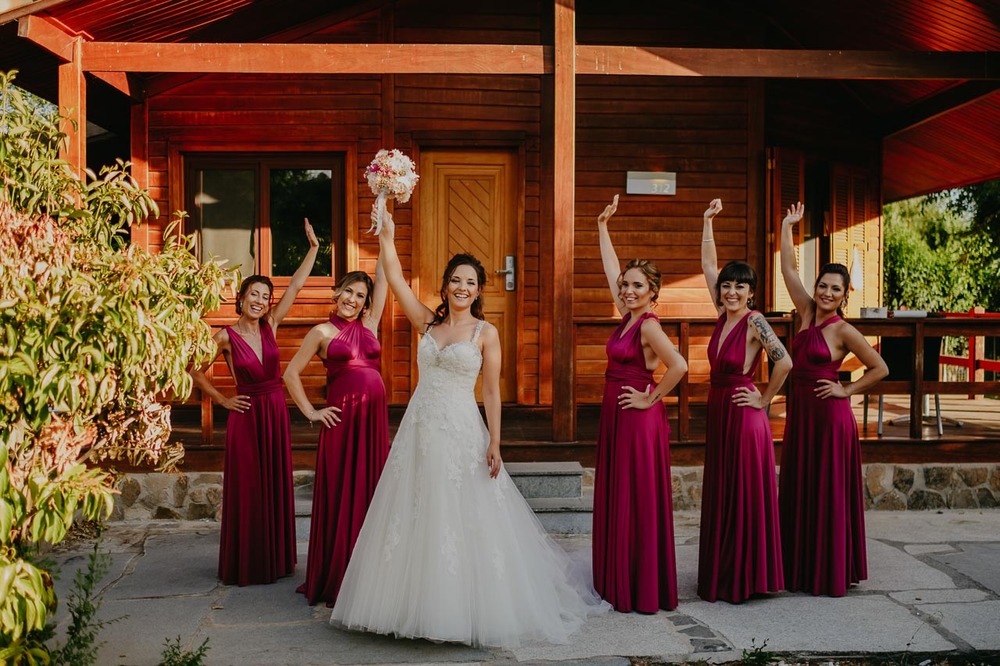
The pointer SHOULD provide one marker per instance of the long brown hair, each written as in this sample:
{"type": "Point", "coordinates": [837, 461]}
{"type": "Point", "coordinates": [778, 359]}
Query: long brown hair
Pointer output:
{"type": "Point", "coordinates": [461, 259]}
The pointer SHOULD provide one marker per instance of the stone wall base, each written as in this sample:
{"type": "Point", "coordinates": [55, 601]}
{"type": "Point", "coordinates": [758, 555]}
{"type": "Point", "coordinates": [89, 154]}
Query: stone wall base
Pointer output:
{"type": "Point", "coordinates": [888, 487]}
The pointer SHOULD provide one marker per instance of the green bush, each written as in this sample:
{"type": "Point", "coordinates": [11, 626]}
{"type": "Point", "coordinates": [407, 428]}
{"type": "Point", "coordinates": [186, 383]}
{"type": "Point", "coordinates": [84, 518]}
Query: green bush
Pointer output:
{"type": "Point", "coordinates": [94, 334]}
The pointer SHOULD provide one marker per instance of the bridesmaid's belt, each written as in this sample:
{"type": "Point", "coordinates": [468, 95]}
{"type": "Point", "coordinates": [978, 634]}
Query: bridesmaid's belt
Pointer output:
{"type": "Point", "coordinates": [365, 364]}
{"type": "Point", "coordinates": [262, 388]}
{"type": "Point", "coordinates": [727, 381]}
{"type": "Point", "coordinates": [627, 375]}
{"type": "Point", "coordinates": [806, 376]}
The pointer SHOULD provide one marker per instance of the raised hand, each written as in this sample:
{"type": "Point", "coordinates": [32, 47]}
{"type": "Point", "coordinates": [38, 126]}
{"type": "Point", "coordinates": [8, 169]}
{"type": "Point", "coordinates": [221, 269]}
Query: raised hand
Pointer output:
{"type": "Point", "coordinates": [794, 214]}
{"type": "Point", "coordinates": [714, 208]}
{"type": "Point", "coordinates": [311, 234]}
{"type": "Point", "coordinates": [388, 226]}
{"type": "Point", "coordinates": [609, 210]}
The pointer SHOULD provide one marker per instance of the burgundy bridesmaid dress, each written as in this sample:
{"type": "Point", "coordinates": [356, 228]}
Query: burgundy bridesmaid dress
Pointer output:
{"type": "Point", "coordinates": [820, 490]}
{"type": "Point", "coordinates": [258, 510]}
{"type": "Point", "coordinates": [739, 550]}
{"type": "Point", "coordinates": [350, 458]}
{"type": "Point", "coordinates": [634, 564]}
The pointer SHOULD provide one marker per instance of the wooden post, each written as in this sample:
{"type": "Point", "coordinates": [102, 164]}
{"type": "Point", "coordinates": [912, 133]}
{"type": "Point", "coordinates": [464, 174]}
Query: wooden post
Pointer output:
{"type": "Point", "coordinates": [684, 392]}
{"type": "Point", "coordinates": [563, 221]}
{"type": "Point", "coordinates": [73, 107]}
{"type": "Point", "coordinates": [917, 399]}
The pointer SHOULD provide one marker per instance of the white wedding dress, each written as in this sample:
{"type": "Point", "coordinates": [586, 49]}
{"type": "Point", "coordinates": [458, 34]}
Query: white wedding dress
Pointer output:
{"type": "Point", "coordinates": [447, 553]}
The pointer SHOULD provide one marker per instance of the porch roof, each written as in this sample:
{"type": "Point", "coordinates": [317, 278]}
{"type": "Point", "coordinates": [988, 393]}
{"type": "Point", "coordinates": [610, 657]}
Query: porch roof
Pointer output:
{"type": "Point", "coordinates": [937, 132]}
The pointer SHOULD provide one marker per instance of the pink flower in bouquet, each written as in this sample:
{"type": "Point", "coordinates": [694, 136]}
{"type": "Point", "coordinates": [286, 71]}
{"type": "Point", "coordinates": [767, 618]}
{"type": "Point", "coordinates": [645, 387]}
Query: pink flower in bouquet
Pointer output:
{"type": "Point", "coordinates": [393, 173]}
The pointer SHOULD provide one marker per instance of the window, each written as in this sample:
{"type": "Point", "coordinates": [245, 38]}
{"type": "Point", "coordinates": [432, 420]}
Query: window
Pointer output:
{"type": "Point", "coordinates": [248, 209]}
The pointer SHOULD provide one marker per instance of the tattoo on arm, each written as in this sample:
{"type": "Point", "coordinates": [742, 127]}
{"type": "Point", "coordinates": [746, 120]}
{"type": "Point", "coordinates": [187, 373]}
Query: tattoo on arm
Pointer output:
{"type": "Point", "coordinates": [772, 345]}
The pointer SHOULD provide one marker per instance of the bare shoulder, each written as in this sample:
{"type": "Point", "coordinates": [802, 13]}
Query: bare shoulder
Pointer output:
{"type": "Point", "coordinates": [652, 324]}
{"type": "Point", "coordinates": [652, 329]}
{"type": "Point", "coordinates": [221, 337]}
{"type": "Point", "coordinates": [489, 331]}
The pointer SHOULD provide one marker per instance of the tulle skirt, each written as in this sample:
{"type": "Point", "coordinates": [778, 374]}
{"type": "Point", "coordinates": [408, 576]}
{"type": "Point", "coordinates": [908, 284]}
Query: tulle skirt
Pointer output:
{"type": "Point", "coordinates": [449, 554]}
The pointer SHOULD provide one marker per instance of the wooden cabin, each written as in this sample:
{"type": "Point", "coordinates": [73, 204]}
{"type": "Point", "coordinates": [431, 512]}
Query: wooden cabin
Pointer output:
{"type": "Point", "coordinates": [525, 117]}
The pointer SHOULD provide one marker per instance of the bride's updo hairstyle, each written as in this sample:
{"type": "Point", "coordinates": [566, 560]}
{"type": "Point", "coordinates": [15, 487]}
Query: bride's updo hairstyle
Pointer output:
{"type": "Point", "coordinates": [351, 278]}
{"type": "Point", "coordinates": [441, 313]}
{"type": "Point", "coordinates": [245, 287]}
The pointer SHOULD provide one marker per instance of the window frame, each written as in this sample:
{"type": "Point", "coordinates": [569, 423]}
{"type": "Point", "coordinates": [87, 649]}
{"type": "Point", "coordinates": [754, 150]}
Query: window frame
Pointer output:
{"type": "Point", "coordinates": [184, 158]}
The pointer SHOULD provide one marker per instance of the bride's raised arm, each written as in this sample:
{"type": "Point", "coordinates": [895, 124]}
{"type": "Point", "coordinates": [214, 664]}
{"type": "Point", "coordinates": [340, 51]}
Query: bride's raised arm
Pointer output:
{"type": "Point", "coordinates": [420, 315]}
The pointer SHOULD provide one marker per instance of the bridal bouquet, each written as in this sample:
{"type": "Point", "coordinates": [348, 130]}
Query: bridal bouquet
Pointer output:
{"type": "Point", "coordinates": [393, 174]}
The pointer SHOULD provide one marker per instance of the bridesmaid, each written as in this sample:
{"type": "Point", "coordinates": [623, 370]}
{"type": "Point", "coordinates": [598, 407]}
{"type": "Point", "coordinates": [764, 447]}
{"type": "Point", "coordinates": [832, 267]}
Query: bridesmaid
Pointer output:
{"type": "Point", "coordinates": [257, 544]}
{"type": "Point", "coordinates": [354, 442]}
{"type": "Point", "coordinates": [634, 565]}
{"type": "Point", "coordinates": [739, 551]}
{"type": "Point", "coordinates": [820, 492]}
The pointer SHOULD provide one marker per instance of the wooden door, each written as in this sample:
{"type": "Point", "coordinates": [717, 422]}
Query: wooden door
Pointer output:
{"type": "Point", "coordinates": [468, 203]}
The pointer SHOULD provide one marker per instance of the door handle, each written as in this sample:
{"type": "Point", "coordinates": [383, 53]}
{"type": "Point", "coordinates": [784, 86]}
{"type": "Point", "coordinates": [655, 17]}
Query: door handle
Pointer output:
{"type": "Point", "coordinates": [509, 273]}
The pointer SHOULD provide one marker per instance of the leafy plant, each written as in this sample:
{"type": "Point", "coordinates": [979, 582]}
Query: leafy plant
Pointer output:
{"type": "Point", "coordinates": [757, 655]}
{"type": "Point", "coordinates": [81, 644]}
{"type": "Point", "coordinates": [175, 655]}
{"type": "Point", "coordinates": [94, 333]}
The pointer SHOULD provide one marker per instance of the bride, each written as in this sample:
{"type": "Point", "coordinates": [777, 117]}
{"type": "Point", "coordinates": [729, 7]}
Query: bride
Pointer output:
{"type": "Point", "coordinates": [449, 550]}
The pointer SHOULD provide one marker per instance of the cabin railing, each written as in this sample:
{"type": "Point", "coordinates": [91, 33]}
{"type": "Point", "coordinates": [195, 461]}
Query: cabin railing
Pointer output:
{"type": "Point", "coordinates": [691, 336]}
{"type": "Point", "coordinates": [975, 361]}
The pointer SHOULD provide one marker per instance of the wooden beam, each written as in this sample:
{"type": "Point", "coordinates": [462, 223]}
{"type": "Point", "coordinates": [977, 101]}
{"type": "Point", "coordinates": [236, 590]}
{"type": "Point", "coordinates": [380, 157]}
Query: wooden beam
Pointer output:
{"type": "Point", "coordinates": [29, 8]}
{"type": "Point", "coordinates": [73, 107]}
{"type": "Point", "coordinates": [299, 31]}
{"type": "Point", "coordinates": [48, 35]}
{"type": "Point", "coordinates": [315, 58]}
{"type": "Point", "coordinates": [932, 107]}
{"type": "Point", "coordinates": [787, 63]}
{"type": "Point", "coordinates": [139, 142]}
{"type": "Point", "coordinates": [563, 223]}
{"type": "Point", "coordinates": [119, 81]}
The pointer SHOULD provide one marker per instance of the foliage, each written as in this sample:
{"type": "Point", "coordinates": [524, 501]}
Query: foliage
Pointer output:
{"type": "Point", "coordinates": [757, 655]}
{"type": "Point", "coordinates": [93, 333]}
{"type": "Point", "coordinates": [81, 644]}
{"type": "Point", "coordinates": [938, 260]}
{"type": "Point", "coordinates": [174, 655]}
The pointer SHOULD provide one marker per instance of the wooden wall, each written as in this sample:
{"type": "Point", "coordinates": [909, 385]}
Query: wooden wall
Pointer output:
{"type": "Point", "coordinates": [708, 131]}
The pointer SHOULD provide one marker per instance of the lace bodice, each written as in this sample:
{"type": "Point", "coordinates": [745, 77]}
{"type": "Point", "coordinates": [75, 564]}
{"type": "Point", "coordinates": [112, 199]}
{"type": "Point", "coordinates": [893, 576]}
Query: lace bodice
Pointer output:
{"type": "Point", "coordinates": [450, 371]}
{"type": "Point", "coordinates": [445, 392]}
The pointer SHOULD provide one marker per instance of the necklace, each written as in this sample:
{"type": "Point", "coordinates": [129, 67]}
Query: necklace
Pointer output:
{"type": "Point", "coordinates": [245, 333]}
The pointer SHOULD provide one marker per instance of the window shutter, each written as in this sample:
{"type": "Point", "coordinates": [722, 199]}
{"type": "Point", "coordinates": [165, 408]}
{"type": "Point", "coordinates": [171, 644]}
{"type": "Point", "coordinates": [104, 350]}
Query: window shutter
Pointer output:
{"type": "Point", "coordinates": [786, 186]}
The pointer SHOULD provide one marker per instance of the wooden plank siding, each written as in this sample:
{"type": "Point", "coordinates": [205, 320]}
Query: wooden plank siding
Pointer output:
{"type": "Point", "coordinates": [697, 129]}
{"type": "Point", "coordinates": [710, 131]}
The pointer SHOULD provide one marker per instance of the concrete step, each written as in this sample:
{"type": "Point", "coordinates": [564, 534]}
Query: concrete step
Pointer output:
{"type": "Point", "coordinates": [553, 490]}
{"type": "Point", "coordinates": [549, 479]}
{"type": "Point", "coordinates": [565, 515]}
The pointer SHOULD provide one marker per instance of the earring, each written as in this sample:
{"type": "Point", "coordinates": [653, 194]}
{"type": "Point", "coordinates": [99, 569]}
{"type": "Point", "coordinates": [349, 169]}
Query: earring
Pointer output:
{"type": "Point", "coordinates": [750, 303]}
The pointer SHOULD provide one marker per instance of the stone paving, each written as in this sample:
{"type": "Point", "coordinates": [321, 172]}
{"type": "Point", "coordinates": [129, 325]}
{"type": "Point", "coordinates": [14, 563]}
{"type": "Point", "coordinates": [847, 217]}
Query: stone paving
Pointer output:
{"type": "Point", "coordinates": [934, 588]}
